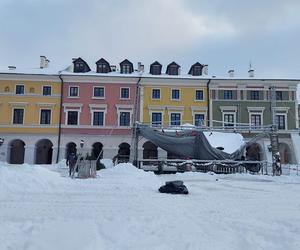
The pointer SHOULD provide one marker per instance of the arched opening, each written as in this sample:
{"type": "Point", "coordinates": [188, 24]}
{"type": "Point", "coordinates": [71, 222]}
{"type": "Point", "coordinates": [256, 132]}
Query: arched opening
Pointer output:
{"type": "Point", "coordinates": [254, 152]}
{"type": "Point", "coordinates": [16, 152]}
{"type": "Point", "coordinates": [71, 147]}
{"type": "Point", "coordinates": [43, 152]}
{"type": "Point", "coordinates": [96, 150]}
{"type": "Point", "coordinates": [285, 153]}
{"type": "Point", "coordinates": [149, 151]}
{"type": "Point", "coordinates": [123, 152]}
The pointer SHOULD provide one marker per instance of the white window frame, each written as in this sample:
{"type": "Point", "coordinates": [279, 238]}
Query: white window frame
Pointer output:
{"type": "Point", "coordinates": [196, 100]}
{"type": "Point", "coordinates": [40, 114]}
{"type": "Point", "coordinates": [285, 120]}
{"type": "Point", "coordinates": [67, 115]}
{"type": "Point", "coordinates": [72, 86]}
{"type": "Point", "coordinates": [98, 97]}
{"type": "Point", "coordinates": [162, 118]}
{"type": "Point", "coordinates": [199, 113]}
{"type": "Point", "coordinates": [156, 99]}
{"type": "Point", "coordinates": [124, 108]}
{"type": "Point", "coordinates": [175, 112]}
{"type": "Point", "coordinates": [50, 90]}
{"type": "Point", "coordinates": [98, 108]}
{"type": "Point", "coordinates": [123, 98]}
{"type": "Point", "coordinates": [179, 90]}
{"type": "Point", "coordinates": [229, 113]}
{"type": "Point", "coordinates": [12, 117]}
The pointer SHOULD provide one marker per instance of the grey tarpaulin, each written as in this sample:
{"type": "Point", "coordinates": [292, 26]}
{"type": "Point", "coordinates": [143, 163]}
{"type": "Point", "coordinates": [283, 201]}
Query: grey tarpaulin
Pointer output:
{"type": "Point", "coordinates": [189, 144]}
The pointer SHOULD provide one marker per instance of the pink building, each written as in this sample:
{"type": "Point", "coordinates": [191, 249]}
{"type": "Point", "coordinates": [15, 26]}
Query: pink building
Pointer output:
{"type": "Point", "coordinates": [98, 108]}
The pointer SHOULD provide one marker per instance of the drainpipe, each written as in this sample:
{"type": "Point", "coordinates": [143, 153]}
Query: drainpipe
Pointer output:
{"type": "Point", "coordinates": [60, 114]}
{"type": "Point", "coordinates": [208, 102]}
{"type": "Point", "coordinates": [136, 115]}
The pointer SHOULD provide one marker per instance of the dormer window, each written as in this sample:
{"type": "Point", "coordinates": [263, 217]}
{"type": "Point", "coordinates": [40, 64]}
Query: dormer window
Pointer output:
{"type": "Point", "coordinates": [80, 66]}
{"type": "Point", "coordinates": [103, 66]}
{"type": "Point", "coordinates": [155, 68]}
{"type": "Point", "coordinates": [196, 69]}
{"type": "Point", "coordinates": [126, 67]}
{"type": "Point", "coordinates": [173, 69]}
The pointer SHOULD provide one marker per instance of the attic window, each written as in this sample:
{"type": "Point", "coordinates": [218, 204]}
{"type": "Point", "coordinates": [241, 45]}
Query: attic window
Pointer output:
{"type": "Point", "coordinates": [156, 70]}
{"type": "Point", "coordinates": [173, 70]}
{"type": "Point", "coordinates": [197, 71]}
{"type": "Point", "coordinates": [79, 66]}
{"type": "Point", "coordinates": [126, 69]}
{"type": "Point", "coordinates": [102, 68]}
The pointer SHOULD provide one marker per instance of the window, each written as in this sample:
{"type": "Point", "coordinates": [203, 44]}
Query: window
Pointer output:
{"type": "Point", "coordinates": [175, 94]}
{"type": "Point", "coordinates": [46, 90]}
{"type": "Point", "coordinates": [280, 121]}
{"type": "Point", "coordinates": [155, 93]}
{"type": "Point", "coordinates": [45, 116]}
{"type": "Point", "coordinates": [254, 95]}
{"type": "Point", "coordinates": [20, 89]}
{"type": "Point", "coordinates": [73, 91]}
{"type": "Point", "coordinates": [126, 69]}
{"type": "Point", "coordinates": [255, 120]}
{"type": "Point", "coordinates": [197, 71]}
{"type": "Point", "coordinates": [199, 119]}
{"type": "Point", "coordinates": [156, 70]}
{"type": "Point", "coordinates": [125, 119]}
{"type": "Point", "coordinates": [228, 120]}
{"type": "Point", "coordinates": [199, 95]}
{"type": "Point", "coordinates": [99, 92]}
{"type": "Point", "coordinates": [175, 119]}
{"type": "Point", "coordinates": [72, 118]}
{"type": "Point", "coordinates": [103, 68]}
{"type": "Point", "coordinates": [173, 70]}
{"type": "Point", "coordinates": [125, 93]}
{"type": "Point", "coordinates": [156, 119]}
{"type": "Point", "coordinates": [279, 95]}
{"type": "Point", "coordinates": [18, 116]}
{"type": "Point", "coordinates": [79, 67]}
{"type": "Point", "coordinates": [98, 118]}
{"type": "Point", "coordinates": [228, 95]}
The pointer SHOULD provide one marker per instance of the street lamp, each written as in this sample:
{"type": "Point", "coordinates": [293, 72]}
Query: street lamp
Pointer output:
{"type": "Point", "coordinates": [1, 141]}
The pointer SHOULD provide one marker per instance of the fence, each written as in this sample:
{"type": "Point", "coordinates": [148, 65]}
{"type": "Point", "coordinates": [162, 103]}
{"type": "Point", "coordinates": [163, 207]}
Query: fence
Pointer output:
{"type": "Point", "coordinates": [216, 166]}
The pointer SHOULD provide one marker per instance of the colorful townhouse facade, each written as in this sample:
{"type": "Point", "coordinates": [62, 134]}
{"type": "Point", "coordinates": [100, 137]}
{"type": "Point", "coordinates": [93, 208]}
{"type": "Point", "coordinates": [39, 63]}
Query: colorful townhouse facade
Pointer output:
{"type": "Point", "coordinates": [45, 115]}
{"type": "Point", "coordinates": [254, 102]}
{"type": "Point", "coordinates": [29, 116]}
{"type": "Point", "coordinates": [98, 108]}
{"type": "Point", "coordinates": [172, 100]}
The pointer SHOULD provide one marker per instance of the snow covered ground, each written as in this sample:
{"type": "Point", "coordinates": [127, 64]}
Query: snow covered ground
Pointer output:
{"type": "Point", "coordinates": [41, 208]}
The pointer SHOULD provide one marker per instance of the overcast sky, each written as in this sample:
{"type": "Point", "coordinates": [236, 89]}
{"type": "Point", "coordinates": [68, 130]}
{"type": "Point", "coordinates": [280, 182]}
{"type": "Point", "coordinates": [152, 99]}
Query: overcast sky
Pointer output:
{"type": "Point", "coordinates": [225, 34]}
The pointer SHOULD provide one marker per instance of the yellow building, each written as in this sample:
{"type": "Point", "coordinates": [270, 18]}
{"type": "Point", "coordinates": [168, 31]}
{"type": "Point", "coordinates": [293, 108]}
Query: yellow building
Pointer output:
{"type": "Point", "coordinates": [173, 101]}
{"type": "Point", "coordinates": [29, 116]}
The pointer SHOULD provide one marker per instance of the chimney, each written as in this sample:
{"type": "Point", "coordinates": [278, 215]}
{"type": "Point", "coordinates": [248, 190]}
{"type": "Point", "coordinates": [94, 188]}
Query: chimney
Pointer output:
{"type": "Point", "coordinates": [205, 70]}
{"type": "Point", "coordinates": [113, 68]}
{"type": "Point", "coordinates": [140, 67]}
{"type": "Point", "coordinates": [47, 61]}
{"type": "Point", "coordinates": [11, 67]}
{"type": "Point", "coordinates": [42, 62]}
{"type": "Point", "coordinates": [251, 72]}
{"type": "Point", "coordinates": [231, 73]}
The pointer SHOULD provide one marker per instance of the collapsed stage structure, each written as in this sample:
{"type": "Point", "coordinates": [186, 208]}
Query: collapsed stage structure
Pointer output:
{"type": "Point", "coordinates": [192, 144]}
